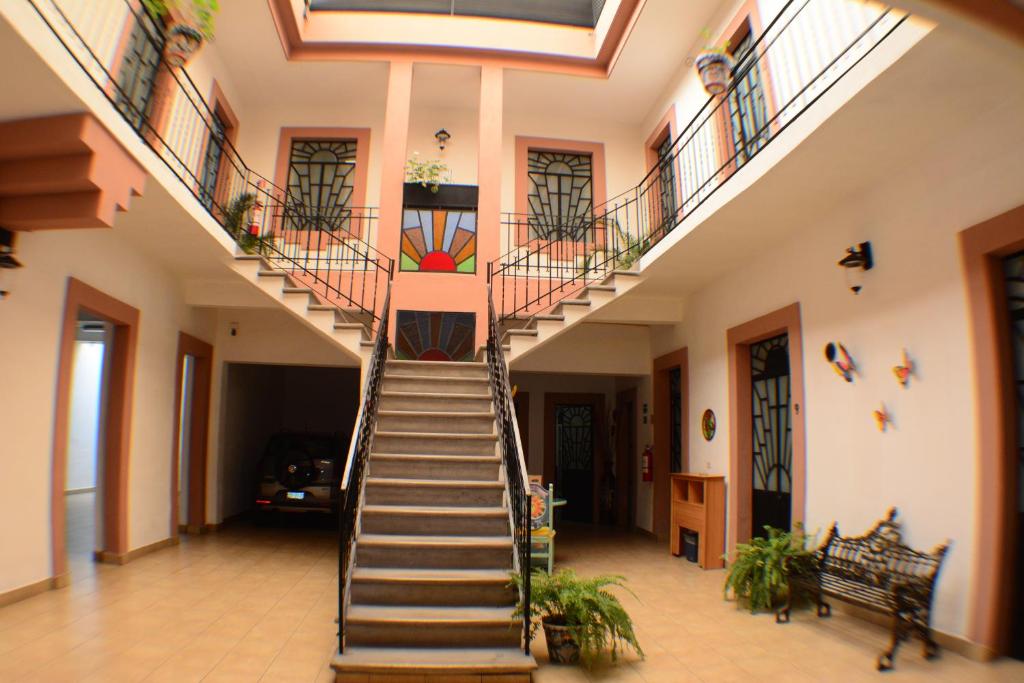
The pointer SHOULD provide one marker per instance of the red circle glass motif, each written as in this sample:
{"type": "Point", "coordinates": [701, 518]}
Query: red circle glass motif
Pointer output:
{"type": "Point", "coordinates": [438, 262]}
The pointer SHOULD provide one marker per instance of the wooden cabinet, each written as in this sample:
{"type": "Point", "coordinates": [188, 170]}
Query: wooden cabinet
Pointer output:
{"type": "Point", "coordinates": [698, 504]}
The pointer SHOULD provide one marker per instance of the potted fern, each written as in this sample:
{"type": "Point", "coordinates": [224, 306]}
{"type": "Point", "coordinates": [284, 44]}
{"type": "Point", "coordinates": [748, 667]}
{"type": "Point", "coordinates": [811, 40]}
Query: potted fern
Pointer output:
{"type": "Point", "coordinates": [580, 617]}
{"type": "Point", "coordinates": [714, 64]}
{"type": "Point", "coordinates": [189, 22]}
{"type": "Point", "coordinates": [759, 573]}
{"type": "Point", "coordinates": [235, 217]}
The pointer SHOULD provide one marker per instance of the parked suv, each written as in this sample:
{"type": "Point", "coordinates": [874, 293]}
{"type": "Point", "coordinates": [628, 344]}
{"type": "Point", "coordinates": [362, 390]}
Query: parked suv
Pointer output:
{"type": "Point", "coordinates": [300, 473]}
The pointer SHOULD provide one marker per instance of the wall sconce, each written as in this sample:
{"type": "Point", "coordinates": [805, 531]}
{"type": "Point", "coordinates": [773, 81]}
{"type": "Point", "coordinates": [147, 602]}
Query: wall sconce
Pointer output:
{"type": "Point", "coordinates": [857, 260]}
{"type": "Point", "coordinates": [442, 136]}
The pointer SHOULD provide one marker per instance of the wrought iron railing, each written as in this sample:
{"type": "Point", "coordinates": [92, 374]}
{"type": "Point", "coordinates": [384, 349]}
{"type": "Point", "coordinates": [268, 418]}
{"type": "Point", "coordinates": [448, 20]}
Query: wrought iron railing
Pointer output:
{"type": "Point", "coordinates": [517, 484]}
{"type": "Point", "coordinates": [806, 49]}
{"type": "Point", "coordinates": [120, 47]}
{"type": "Point", "coordinates": [354, 479]}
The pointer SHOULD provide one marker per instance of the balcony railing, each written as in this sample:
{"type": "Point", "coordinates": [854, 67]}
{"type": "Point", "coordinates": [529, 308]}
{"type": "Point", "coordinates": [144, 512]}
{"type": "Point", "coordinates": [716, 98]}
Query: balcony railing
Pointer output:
{"type": "Point", "coordinates": [805, 51]}
{"type": "Point", "coordinates": [120, 47]}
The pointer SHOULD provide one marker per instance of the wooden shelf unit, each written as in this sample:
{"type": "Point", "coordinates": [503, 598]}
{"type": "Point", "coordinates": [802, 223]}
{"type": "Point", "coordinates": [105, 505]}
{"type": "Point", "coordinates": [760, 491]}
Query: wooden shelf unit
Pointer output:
{"type": "Point", "coordinates": [698, 504]}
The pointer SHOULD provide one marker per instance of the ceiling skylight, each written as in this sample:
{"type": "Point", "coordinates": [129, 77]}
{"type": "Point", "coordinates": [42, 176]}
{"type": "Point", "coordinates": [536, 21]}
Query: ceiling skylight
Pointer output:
{"type": "Point", "coordinates": [565, 12]}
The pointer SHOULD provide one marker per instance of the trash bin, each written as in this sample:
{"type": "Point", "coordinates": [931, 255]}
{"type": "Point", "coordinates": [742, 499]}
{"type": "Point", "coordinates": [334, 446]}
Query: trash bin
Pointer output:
{"type": "Point", "coordinates": [690, 545]}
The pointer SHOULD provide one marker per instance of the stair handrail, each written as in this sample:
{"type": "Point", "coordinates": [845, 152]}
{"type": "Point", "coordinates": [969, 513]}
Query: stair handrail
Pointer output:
{"type": "Point", "coordinates": [544, 265]}
{"type": "Point", "coordinates": [517, 483]}
{"type": "Point", "coordinates": [185, 148]}
{"type": "Point", "coordinates": [353, 480]}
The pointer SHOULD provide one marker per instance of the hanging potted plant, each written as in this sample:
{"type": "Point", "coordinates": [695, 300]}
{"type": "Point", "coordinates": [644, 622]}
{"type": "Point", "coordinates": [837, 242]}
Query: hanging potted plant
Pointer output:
{"type": "Point", "coordinates": [580, 617]}
{"type": "Point", "coordinates": [714, 64]}
{"type": "Point", "coordinates": [189, 23]}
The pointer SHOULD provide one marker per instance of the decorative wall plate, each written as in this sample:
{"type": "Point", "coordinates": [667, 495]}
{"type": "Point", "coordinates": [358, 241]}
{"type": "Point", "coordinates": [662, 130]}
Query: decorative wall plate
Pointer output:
{"type": "Point", "coordinates": [904, 370]}
{"type": "Point", "coordinates": [708, 424]}
{"type": "Point", "coordinates": [839, 357]}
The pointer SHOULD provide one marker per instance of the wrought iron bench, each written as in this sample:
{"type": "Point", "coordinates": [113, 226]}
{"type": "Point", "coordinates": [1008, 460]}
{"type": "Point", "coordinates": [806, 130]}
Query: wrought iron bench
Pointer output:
{"type": "Point", "coordinates": [876, 571]}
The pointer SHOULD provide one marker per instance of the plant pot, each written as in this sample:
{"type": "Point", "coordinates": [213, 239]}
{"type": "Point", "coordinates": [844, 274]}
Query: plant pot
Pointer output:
{"type": "Point", "coordinates": [715, 69]}
{"type": "Point", "coordinates": [183, 41]}
{"type": "Point", "coordinates": [562, 647]}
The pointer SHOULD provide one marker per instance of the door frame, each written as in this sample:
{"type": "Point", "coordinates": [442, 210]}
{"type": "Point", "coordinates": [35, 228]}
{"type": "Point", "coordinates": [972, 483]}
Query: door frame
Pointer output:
{"type": "Point", "coordinates": [625, 463]}
{"type": "Point", "coordinates": [662, 426]}
{"type": "Point", "coordinates": [596, 402]}
{"type": "Point", "coordinates": [739, 339]}
{"type": "Point", "coordinates": [199, 416]}
{"type": "Point", "coordinates": [982, 248]}
{"type": "Point", "coordinates": [116, 441]}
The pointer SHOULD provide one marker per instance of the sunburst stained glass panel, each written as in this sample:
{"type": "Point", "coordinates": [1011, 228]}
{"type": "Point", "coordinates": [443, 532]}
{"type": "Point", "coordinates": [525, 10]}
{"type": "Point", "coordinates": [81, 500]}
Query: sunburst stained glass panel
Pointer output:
{"type": "Point", "coordinates": [439, 241]}
{"type": "Point", "coordinates": [435, 335]}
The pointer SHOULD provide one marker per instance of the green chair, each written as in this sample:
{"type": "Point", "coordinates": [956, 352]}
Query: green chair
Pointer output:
{"type": "Point", "coordinates": [542, 526]}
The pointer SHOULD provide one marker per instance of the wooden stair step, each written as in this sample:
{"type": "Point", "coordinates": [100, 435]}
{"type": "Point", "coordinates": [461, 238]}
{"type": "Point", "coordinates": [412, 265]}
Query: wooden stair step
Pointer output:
{"type": "Point", "coordinates": [434, 661]}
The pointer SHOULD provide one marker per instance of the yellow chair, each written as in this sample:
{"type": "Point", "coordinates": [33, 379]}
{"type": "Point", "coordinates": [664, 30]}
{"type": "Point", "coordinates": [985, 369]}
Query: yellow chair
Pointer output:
{"type": "Point", "coordinates": [542, 519]}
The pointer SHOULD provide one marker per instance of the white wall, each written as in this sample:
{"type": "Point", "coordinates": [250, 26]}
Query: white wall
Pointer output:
{"type": "Point", "coordinates": [106, 261]}
{"type": "Point", "coordinates": [84, 421]}
{"type": "Point", "coordinates": [914, 299]}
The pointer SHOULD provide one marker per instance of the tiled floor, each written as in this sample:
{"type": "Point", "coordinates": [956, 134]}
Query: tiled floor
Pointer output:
{"type": "Point", "coordinates": [259, 604]}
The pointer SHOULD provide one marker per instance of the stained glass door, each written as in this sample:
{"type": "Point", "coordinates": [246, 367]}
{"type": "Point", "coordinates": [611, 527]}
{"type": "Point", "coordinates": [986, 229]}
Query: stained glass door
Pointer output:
{"type": "Point", "coordinates": [1013, 271]}
{"type": "Point", "coordinates": [137, 72]}
{"type": "Point", "coordinates": [211, 163]}
{"type": "Point", "coordinates": [574, 460]}
{"type": "Point", "coordinates": [667, 184]}
{"type": "Point", "coordinates": [771, 434]}
{"type": "Point", "coordinates": [748, 114]}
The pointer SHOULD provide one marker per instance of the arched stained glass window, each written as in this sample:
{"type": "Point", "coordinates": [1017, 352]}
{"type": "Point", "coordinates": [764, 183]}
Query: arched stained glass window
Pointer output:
{"type": "Point", "coordinates": [560, 195]}
{"type": "Point", "coordinates": [321, 180]}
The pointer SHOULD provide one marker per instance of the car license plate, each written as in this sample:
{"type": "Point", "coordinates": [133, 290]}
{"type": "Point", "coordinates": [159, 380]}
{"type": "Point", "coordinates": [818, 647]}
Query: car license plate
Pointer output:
{"type": "Point", "coordinates": [296, 495]}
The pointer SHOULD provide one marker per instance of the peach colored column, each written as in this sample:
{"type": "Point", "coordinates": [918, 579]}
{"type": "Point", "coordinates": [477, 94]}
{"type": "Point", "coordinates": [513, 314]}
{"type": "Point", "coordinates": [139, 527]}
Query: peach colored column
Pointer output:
{"type": "Point", "coordinates": [492, 90]}
{"type": "Point", "coordinates": [396, 136]}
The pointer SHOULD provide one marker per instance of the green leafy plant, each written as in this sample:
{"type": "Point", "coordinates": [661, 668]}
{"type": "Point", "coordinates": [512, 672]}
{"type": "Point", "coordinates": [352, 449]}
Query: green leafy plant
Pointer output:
{"type": "Point", "coordinates": [199, 11]}
{"type": "Point", "coordinates": [593, 615]}
{"type": "Point", "coordinates": [711, 47]}
{"type": "Point", "coordinates": [759, 572]}
{"type": "Point", "coordinates": [234, 221]}
{"type": "Point", "coordinates": [429, 173]}
{"type": "Point", "coordinates": [632, 248]}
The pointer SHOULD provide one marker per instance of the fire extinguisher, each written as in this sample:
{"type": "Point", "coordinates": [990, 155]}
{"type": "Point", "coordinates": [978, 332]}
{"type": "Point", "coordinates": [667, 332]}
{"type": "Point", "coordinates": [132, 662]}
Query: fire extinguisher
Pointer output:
{"type": "Point", "coordinates": [647, 464]}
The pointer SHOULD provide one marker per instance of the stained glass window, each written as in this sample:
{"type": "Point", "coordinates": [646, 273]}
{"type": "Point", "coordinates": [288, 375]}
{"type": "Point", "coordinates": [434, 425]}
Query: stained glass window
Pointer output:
{"type": "Point", "coordinates": [435, 335]}
{"type": "Point", "coordinates": [321, 180]}
{"type": "Point", "coordinates": [439, 240]}
{"type": "Point", "coordinates": [560, 195]}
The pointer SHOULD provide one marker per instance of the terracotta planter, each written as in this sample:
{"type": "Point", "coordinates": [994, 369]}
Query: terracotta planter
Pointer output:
{"type": "Point", "coordinates": [183, 41]}
{"type": "Point", "coordinates": [715, 69]}
{"type": "Point", "coordinates": [562, 647]}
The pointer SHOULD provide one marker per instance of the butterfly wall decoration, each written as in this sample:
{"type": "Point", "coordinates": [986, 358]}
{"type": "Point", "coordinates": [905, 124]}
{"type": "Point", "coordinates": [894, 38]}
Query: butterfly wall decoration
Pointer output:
{"type": "Point", "coordinates": [882, 418]}
{"type": "Point", "coordinates": [904, 370]}
{"type": "Point", "coordinates": [841, 361]}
